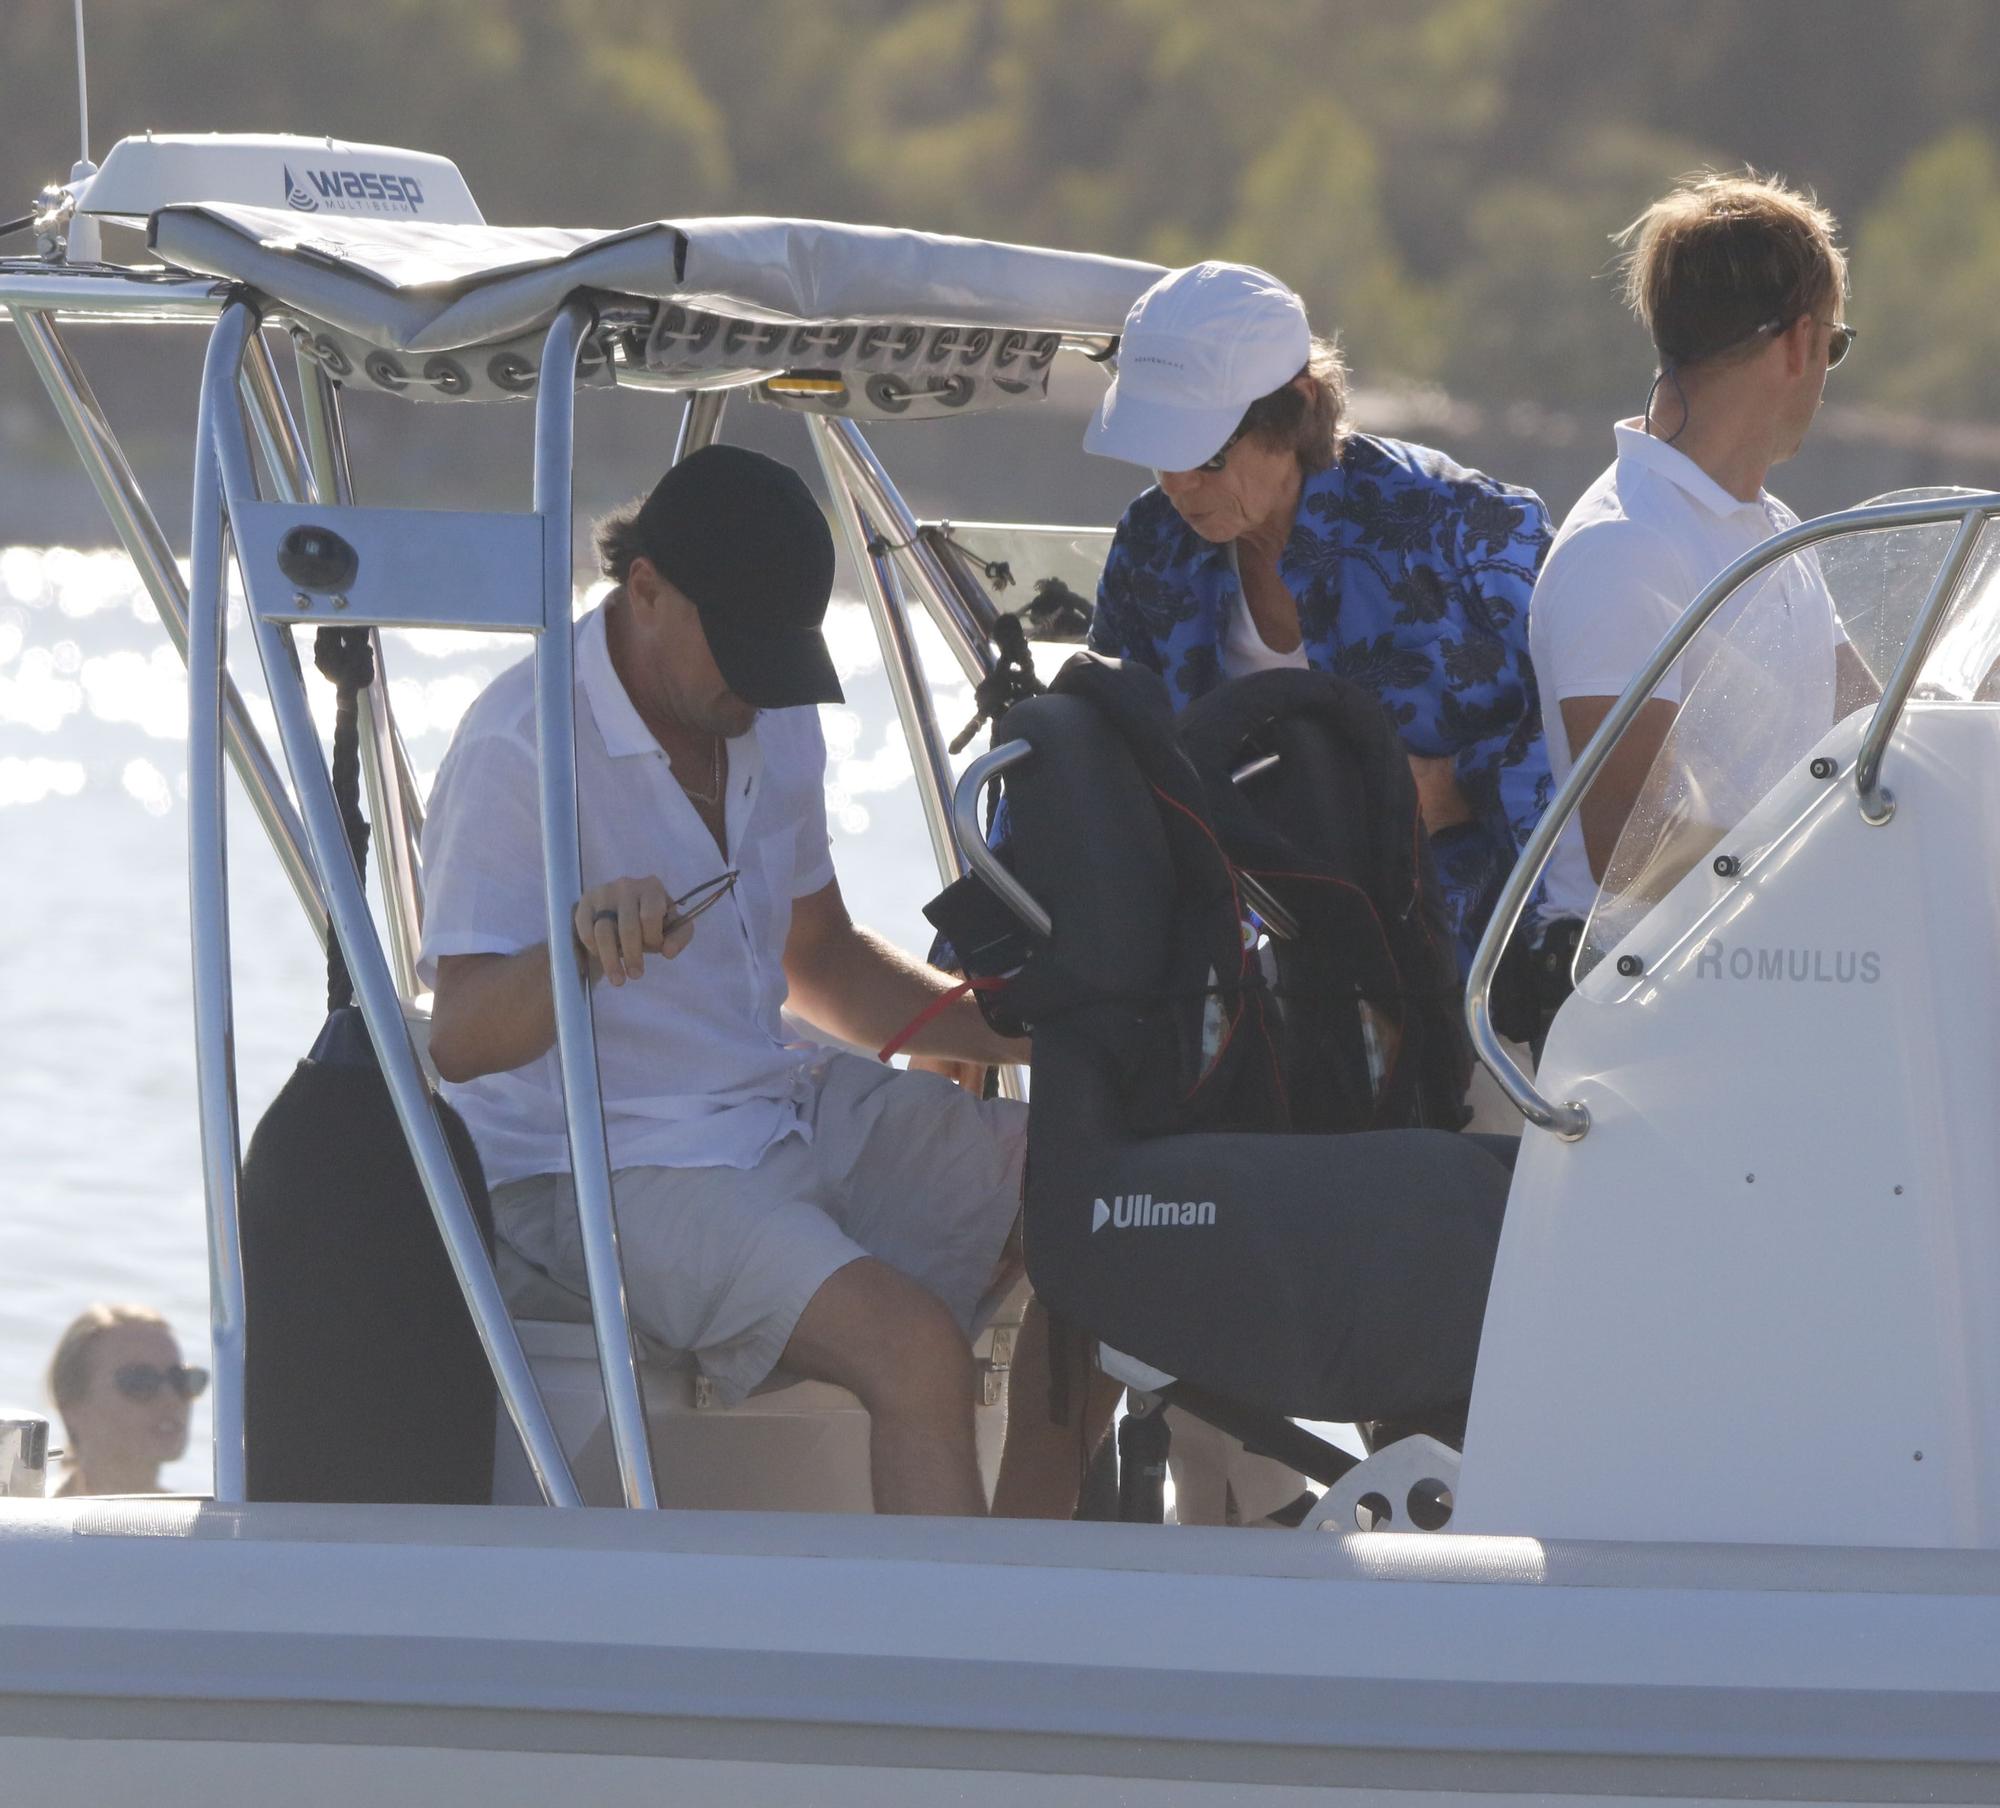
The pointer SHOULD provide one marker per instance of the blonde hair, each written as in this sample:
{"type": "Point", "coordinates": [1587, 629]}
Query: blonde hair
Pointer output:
{"type": "Point", "coordinates": [1722, 255]}
{"type": "Point", "coordinates": [69, 1367]}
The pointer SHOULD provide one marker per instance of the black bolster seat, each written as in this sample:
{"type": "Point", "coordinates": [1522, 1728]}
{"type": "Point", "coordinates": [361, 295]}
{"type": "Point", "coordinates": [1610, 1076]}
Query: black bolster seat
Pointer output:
{"type": "Point", "coordinates": [1319, 1276]}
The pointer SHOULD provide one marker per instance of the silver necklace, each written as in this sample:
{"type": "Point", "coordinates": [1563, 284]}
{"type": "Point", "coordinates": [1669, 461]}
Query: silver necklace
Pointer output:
{"type": "Point", "coordinates": [714, 776]}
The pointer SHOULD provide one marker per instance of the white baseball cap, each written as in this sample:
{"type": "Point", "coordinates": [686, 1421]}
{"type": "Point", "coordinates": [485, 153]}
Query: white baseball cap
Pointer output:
{"type": "Point", "coordinates": [1199, 347]}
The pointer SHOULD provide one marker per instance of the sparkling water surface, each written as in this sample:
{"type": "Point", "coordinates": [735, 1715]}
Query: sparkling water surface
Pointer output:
{"type": "Point", "coordinates": [97, 1106]}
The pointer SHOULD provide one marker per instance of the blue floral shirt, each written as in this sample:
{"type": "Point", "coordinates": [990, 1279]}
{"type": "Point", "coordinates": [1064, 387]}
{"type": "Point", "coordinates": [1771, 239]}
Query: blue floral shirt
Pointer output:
{"type": "Point", "coordinates": [1412, 578]}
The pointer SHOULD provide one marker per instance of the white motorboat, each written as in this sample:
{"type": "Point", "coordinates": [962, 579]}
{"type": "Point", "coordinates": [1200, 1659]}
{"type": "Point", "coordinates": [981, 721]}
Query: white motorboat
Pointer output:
{"type": "Point", "coordinates": [1727, 1522]}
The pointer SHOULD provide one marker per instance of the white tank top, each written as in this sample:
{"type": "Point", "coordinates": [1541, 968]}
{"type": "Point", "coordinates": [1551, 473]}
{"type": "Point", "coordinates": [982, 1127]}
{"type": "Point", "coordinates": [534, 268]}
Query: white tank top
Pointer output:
{"type": "Point", "coordinates": [1244, 650]}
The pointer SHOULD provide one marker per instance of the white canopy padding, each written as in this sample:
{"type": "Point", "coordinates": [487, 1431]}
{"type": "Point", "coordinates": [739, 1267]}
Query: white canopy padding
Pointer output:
{"type": "Point", "coordinates": [414, 286]}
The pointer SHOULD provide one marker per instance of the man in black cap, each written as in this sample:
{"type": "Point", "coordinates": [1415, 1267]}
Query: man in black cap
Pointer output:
{"type": "Point", "coordinates": [777, 1205]}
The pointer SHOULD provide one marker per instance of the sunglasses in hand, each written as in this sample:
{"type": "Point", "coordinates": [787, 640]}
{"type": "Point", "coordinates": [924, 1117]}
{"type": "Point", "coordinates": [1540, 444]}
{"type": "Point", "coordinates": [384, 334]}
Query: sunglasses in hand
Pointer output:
{"type": "Point", "coordinates": [705, 896]}
{"type": "Point", "coordinates": [143, 1380]}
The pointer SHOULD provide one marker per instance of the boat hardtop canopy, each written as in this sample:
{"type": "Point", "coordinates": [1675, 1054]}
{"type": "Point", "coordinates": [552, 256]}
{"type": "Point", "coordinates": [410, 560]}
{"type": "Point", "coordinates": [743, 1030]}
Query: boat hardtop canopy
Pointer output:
{"type": "Point", "coordinates": [381, 262]}
{"type": "Point", "coordinates": [418, 286]}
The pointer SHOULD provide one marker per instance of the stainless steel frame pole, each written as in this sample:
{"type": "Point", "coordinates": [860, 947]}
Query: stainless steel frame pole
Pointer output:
{"type": "Point", "coordinates": [562, 863]}
{"type": "Point", "coordinates": [700, 418]}
{"type": "Point", "coordinates": [208, 901]}
{"type": "Point", "coordinates": [139, 532]}
{"type": "Point", "coordinates": [929, 753]}
{"type": "Point", "coordinates": [314, 467]}
{"type": "Point", "coordinates": [227, 448]}
{"type": "Point", "coordinates": [1878, 804]}
{"type": "Point", "coordinates": [326, 446]}
{"type": "Point", "coordinates": [887, 610]}
{"type": "Point", "coordinates": [79, 295]}
{"type": "Point", "coordinates": [937, 589]}
{"type": "Point", "coordinates": [278, 437]}
{"type": "Point", "coordinates": [1570, 1120]}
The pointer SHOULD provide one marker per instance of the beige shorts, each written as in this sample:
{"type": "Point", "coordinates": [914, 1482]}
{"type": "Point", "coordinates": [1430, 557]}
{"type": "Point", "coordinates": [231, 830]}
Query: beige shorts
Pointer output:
{"type": "Point", "coordinates": [719, 1262]}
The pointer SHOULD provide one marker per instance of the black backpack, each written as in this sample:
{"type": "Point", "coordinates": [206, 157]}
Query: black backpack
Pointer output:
{"type": "Point", "coordinates": [1195, 1049]}
{"type": "Point", "coordinates": [1324, 816]}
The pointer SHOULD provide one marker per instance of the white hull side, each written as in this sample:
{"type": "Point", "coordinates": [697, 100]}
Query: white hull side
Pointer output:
{"type": "Point", "coordinates": [304, 1655]}
{"type": "Point", "coordinates": [323, 1776]}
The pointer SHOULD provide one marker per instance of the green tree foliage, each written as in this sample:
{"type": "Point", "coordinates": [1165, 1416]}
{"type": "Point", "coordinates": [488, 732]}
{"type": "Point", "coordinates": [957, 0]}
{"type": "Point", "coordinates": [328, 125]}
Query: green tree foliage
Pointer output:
{"type": "Point", "coordinates": [1439, 177]}
{"type": "Point", "coordinates": [1927, 281]}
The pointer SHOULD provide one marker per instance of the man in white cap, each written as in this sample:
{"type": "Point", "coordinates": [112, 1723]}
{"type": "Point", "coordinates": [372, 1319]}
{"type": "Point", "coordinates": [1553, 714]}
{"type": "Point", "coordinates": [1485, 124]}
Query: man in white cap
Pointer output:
{"type": "Point", "coordinates": [1277, 536]}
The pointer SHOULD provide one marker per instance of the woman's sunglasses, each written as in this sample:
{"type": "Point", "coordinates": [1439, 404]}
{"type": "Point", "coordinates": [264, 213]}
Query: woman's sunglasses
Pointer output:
{"type": "Point", "coordinates": [1210, 464]}
{"type": "Point", "coordinates": [143, 1380]}
{"type": "Point", "coordinates": [1222, 458]}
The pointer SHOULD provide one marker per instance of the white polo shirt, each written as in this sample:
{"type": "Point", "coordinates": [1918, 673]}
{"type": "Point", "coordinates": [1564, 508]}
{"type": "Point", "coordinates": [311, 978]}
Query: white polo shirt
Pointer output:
{"type": "Point", "coordinates": [1639, 546]}
{"type": "Point", "coordinates": [695, 1066]}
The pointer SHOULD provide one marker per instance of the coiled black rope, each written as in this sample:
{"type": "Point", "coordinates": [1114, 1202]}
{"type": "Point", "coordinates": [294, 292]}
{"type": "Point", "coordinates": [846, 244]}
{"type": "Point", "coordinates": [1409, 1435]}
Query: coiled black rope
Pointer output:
{"type": "Point", "coordinates": [346, 657]}
{"type": "Point", "coordinates": [1011, 681]}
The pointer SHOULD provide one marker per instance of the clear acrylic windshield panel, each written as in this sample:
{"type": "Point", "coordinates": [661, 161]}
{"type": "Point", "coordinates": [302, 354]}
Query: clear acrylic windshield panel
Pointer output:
{"type": "Point", "coordinates": [1757, 692]}
{"type": "Point", "coordinates": [1012, 559]}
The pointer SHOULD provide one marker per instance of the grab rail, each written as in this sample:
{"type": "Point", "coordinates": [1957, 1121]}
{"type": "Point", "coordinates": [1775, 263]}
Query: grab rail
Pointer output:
{"type": "Point", "coordinates": [971, 838]}
{"type": "Point", "coordinates": [1877, 805]}
{"type": "Point", "coordinates": [208, 897]}
{"type": "Point", "coordinates": [1570, 1120]}
{"type": "Point", "coordinates": [562, 874]}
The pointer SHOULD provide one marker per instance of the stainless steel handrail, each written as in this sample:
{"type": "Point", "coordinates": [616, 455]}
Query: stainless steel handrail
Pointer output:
{"type": "Point", "coordinates": [270, 414]}
{"type": "Point", "coordinates": [701, 415]}
{"type": "Point", "coordinates": [208, 899]}
{"type": "Point", "coordinates": [112, 295]}
{"type": "Point", "coordinates": [884, 597]}
{"type": "Point", "coordinates": [562, 867]}
{"type": "Point", "coordinates": [971, 837]}
{"type": "Point", "coordinates": [326, 457]}
{"type": "Point", "coordinates": [965, 631]}
{"type": "Point", "coordinates": [225, 449]}
{"type": "Point", "coordinates": [1570, 1120]}
{"type": "Point", "coordinates": [1877, 804]}
{"type": "Point", "coordinates": [139, 531]}
{"type": "Point", "coordinates": [930, 756]}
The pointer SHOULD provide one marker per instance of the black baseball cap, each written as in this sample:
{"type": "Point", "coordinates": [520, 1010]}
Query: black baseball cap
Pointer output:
{"type": "Point", "coordinates": [740, 536]}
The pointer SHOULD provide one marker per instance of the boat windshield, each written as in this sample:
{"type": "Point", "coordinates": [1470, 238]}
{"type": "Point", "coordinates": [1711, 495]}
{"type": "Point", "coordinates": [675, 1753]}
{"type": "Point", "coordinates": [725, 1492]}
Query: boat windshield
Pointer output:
{"type": "Point", "coordinates": [1011, 559]}
{"type": "Point", "coordinates": [1760, 694]}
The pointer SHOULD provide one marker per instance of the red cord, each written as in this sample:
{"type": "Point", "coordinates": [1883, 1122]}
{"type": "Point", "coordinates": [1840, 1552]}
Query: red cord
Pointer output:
{"type": "Point", "coordinates": [936, 1008]}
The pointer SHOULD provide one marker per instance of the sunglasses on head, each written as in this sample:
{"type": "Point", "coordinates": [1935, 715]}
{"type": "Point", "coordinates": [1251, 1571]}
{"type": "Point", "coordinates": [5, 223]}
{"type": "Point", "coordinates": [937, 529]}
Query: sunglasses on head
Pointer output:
{"type": "Point", "coordinates": [1840, 337]}
{"type": "Point", "coordinates": [143, 1380]}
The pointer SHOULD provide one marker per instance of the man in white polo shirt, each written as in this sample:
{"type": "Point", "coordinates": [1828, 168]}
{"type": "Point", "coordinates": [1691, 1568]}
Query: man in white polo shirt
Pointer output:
{"type": "Point", "coordinates": [1739, 283]}
{"type": "Point", "coordinates": [776, 1205]}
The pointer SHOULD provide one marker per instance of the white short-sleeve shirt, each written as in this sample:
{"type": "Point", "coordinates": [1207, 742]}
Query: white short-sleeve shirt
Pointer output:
{"type": "Point", "coordinates": [1639, 546]}
{"type": "Point", "coordinates": [694, 1058]}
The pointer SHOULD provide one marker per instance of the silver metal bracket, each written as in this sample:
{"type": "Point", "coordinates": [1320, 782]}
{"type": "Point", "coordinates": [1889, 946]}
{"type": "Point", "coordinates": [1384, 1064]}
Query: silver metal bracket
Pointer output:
{"type": "Point", "coordinates": [1878, 807]}
{"type": "Point", "coordinates": [1407, 1486]}
{"type": "Point", "coordinates": [423, 568]}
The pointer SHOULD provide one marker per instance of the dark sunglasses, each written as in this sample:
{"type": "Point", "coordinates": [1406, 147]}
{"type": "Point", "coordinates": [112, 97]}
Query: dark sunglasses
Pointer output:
{"type": "Point", "coordinates": [143, 1380]}
{"type": "Point", "coordinates": [1840, 337]}
{"type": "Point", "coordinates": [710, 892]}
{"type": "Point", "coordinates": [1222, 458]}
